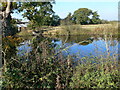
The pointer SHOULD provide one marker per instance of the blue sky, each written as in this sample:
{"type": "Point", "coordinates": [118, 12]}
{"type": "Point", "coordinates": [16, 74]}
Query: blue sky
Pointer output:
{"type": "Point", "coordinates": [107, 10]}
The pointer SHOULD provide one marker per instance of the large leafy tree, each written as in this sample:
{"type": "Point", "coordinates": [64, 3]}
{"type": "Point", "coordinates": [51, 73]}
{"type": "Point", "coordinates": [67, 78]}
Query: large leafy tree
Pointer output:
{"type": "Point", "coordinates": [81, 16]}
{"type": "Point", "coordinates": [85, 16]}
{"type": "Point", "coordinates": [38, 13]}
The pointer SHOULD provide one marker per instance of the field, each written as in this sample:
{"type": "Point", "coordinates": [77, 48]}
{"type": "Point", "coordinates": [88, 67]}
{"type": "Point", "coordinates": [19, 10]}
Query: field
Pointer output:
{"type": "Point", "coordinates": [83, 29]}
{"type": "Point", "coordinates": [76, 30]}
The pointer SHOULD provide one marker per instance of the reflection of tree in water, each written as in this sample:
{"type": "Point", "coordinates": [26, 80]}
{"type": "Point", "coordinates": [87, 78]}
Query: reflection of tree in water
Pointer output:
{"type": "Point", "coordinates": [86, 39]}
{"type": "Point", "coordinates": [82, 39]}
{"type": "Point", "coordinates": [109, 41]}
{"type": "Point", "coordinates": [85, 42]}
{"type": "Point", "coordinates": [74, 38]}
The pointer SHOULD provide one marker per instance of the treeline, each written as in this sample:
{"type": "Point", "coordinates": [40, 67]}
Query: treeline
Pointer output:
{"type": "Point", "coordinates": [84, 16]}
{"type": "Point", "coordinates": [81, 16]}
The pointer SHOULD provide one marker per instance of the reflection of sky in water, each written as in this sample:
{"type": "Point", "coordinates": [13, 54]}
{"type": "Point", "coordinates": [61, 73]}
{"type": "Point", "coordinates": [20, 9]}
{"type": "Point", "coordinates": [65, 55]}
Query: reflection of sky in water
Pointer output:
{"type": "Point", "coordinates": [96, 48]}
{"type": "Point", "coordinates": [24, 48]}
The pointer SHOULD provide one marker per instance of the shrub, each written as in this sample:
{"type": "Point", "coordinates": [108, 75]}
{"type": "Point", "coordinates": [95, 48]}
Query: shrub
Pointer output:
{"type": "Point", "coordinates": [96, 75]}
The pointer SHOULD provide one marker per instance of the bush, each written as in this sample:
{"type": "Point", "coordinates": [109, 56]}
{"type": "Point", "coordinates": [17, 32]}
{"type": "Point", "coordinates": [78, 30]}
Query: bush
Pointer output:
{"type": "Point", "coordinates": [38, 69]}
{"type": "Point", "coordinates": [93, 75]}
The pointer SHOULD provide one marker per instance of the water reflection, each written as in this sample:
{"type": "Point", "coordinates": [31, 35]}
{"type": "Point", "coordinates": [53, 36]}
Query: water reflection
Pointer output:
{"type": "Point", "coordinates": [24, 48]}
{"type": "Point", "coordinates": [89, 45]}
{"type": "Point", "coordinates": [84, 45]}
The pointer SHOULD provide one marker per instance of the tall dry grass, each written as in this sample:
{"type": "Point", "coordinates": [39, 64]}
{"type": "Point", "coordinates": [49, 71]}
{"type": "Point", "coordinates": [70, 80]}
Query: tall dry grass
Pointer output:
{"type": "Point", "coordinates": [84, 29]}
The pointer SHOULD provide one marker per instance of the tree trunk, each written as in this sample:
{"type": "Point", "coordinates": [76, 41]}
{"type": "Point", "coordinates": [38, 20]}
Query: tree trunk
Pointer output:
{"type": "Point", "coordinates": [5, 27]}
{"type": "Point", "coordinates": [5, 19]}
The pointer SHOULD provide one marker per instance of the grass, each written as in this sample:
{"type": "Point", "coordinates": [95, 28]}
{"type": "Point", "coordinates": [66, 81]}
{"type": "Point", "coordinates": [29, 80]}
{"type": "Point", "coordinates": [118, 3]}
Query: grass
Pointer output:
{"type": "Point", "coordinates": [101, 29]}
{"type": "Point", "coordinates": [84, 29]}
{"type": "Point", "coordinates": [25, 33]}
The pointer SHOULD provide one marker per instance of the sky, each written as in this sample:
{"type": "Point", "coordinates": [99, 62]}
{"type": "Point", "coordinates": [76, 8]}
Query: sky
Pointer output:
{"type": "Point", "coordinates": [107, 10]}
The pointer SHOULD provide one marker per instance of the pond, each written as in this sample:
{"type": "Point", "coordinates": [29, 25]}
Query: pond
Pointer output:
{"type": "Point", "coordinates": [80, 46]}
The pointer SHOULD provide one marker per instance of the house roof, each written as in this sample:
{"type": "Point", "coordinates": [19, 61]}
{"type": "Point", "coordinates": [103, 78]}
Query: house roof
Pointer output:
{"type": "Point", "coordinates": [22, 25]}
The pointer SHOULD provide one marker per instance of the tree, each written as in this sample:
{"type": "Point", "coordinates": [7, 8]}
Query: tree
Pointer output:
{"type": "Point", "coordinates": [6, 8]}
{"type": "Point", "coordinates": [95, 18]}
{"type": "Point", "coordinates": [39, 13]}
{"type": "Point", "coordinates": [68, 20]}
{"type": "Point", "coordinates": [55, 20]}
{"type": "Point", "coordinates": [81, 16]}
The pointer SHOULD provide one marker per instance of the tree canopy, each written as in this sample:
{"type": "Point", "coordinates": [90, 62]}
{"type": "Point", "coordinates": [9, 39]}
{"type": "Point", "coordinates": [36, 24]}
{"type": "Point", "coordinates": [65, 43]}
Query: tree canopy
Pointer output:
{"type": "Point", "coordinates": [95, 18]}
{"type": "Point", "coordinates": [82, 16]}
{"type": "Point", "coordinates": [39, 13]}
{"type": "Point", "coordinates": [55, 20]}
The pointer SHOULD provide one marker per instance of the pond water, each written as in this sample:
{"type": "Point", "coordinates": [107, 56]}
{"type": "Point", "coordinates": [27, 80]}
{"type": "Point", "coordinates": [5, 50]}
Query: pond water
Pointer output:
{"type": "Point", "coordinates": [80, 46]}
